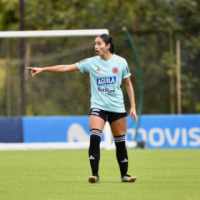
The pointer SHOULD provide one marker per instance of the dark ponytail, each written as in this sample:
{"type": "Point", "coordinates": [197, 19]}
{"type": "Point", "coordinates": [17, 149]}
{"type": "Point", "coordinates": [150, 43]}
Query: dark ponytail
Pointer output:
{"type": "Point", "coordinates": [112, 48]}
{"type": "Point", "coordinates": [108, 40]}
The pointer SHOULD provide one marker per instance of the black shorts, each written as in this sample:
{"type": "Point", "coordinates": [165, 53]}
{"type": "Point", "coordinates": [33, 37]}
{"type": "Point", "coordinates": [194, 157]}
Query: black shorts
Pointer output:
{"type": "Point", "coordinates": [106, 115]}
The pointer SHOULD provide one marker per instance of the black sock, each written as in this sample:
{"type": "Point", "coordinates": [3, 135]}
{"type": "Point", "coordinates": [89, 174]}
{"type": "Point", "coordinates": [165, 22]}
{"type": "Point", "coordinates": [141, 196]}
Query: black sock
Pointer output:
{"type": "Point", "coordinates": [121, 154]}
{"type": "Point", "coordinates": [94, 150]}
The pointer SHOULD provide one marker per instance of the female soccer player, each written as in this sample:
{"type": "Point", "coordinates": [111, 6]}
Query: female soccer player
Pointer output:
{"type": "Point", "coordinates": [107, 71]}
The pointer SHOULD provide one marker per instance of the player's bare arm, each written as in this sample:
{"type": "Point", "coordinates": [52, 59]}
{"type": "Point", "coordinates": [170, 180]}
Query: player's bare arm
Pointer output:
{"type": "Point", "coordinates": [58, 68]}
{"type": "Point", "coordinates": [130, 91]}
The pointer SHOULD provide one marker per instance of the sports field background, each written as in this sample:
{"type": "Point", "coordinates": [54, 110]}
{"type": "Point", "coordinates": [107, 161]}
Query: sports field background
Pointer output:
{"type": "Point", "coordinates": [157, 28]}
{"type": "Point", "coordinates": [59, 175]}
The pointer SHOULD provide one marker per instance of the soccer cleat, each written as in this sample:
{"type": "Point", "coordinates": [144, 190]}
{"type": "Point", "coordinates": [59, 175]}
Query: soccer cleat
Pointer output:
{"type": "Point", "coordinates": [128, 178]}
{"type": "Point", "coordinates": [93, 179]}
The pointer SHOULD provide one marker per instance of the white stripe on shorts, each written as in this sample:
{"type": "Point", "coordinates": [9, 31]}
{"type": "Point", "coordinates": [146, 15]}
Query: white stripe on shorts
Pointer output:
{"type": "Point", "coordinates": [95, 109]}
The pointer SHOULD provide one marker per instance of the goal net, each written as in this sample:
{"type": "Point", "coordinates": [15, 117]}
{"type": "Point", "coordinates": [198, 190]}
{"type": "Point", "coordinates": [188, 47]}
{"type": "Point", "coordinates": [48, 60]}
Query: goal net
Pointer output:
{"type": "Point", "coordinates": [49, 93]}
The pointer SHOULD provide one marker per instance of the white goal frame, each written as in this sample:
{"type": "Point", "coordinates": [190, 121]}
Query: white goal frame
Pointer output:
{"type": "Point", "coordinates": [52, 33]}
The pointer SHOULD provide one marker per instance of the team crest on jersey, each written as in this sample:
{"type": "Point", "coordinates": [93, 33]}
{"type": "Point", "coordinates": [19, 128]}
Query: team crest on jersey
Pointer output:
{"type": "Point", "coordinates": [115, 70]}
{"type": "Point", "coordinates": [105, 81]}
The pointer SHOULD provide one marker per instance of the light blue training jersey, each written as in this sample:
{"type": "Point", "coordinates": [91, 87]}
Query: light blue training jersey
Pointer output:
{"type": "Point", "coordinates": [106, 79]}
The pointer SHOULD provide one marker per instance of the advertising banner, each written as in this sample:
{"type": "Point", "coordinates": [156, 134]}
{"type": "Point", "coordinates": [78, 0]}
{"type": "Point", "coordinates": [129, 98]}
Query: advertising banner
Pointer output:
{"type": "Point", "coordinates": [158, 131]}
{"type": "Point", "coordinates": [168, 131]}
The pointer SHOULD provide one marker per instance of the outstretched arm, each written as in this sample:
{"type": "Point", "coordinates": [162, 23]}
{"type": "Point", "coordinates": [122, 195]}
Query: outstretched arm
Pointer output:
{"type": "Point", "coordinates": [58, 68]}
{"type": "Point", "coordinates": [130, 91]}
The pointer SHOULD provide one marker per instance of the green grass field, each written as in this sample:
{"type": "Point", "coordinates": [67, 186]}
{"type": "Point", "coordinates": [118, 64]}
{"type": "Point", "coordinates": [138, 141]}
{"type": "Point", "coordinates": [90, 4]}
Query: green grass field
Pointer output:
{"type": "Point", "coordinates": [60, 175]}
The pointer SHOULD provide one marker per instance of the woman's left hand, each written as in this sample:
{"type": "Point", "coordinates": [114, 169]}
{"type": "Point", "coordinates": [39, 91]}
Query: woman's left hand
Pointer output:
{"type": "Point", "coordinates": [133, 113]}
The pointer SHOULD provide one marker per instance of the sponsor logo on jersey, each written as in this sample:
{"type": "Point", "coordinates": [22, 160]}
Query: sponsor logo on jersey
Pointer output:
{"type": "Point", "coordinates": [98, 70]}
{"type": "Point", "coordinates": [115, 70]}
{"type": "Point", "coordinates": [105, 81]}
{"type": "Point", "coordinates": [105, 90]}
